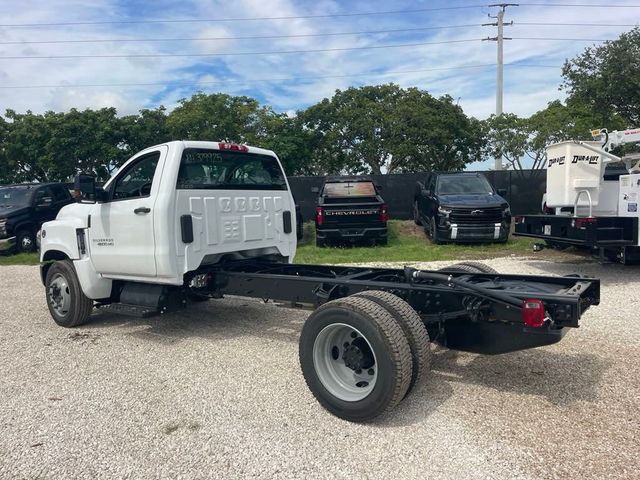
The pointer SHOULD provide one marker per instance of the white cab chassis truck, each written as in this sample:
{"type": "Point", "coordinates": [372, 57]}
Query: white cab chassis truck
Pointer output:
{"type": "Point", "coordinates": [190, 221]}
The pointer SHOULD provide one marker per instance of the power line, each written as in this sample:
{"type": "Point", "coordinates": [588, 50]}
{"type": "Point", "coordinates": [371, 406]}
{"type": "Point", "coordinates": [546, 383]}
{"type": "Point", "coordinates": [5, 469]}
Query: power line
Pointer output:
{"type": "Point", "coordinates": [585, 5]}
{"type": "Point", "coordinates": [242, 19]}
{"type": "Point", "coordinates": [281, 79]}
{"type": "Point", "coordinates": [563, 39]}
{"type": "Point", "coordinates": [544, 24]}
{"type": "Point", "coordinates": [233, 54]}
{"type": "Point", "coordinates": [251, 37]}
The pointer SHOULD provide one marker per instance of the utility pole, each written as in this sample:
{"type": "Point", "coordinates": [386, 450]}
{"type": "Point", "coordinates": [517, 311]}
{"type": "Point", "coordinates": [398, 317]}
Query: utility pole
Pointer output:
{"type": "Point", "coordinates": [499, 39]}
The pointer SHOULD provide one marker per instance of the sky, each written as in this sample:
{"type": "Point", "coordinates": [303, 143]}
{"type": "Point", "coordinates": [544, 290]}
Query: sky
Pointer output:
{"type": "Point", "coordinates": [463, 67]}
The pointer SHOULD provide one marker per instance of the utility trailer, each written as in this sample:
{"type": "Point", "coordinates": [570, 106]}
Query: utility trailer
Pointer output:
{"type": "Point", "coordinates": [588, 204]}
{"type": "Point", "coordinates": [186, 222]}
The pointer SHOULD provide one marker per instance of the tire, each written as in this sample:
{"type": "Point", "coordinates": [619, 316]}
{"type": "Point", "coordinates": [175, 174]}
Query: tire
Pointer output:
{"type": "Point", "coordinates": [478, 266]}
{"type": "Point", "coordinates": [69, 306]}
{"type": "Point", "coordinates": [416, 214]}
{"type": "Point", "coordinates": [413, 329]}
{"type": "Point", "coordinates": [25, 241]}
{"type": "Point", "coordinates": [321, 242]}
{"type": "Point", "coordinates": [460, 268]}
{"type": "Point", "coordinates": [362, 390]}
{"type": "Point", "coordinates": [435, 238]}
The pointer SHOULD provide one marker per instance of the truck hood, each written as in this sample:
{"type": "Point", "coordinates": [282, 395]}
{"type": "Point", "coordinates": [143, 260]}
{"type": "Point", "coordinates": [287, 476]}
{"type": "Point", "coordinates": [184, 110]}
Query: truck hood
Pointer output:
{"type": "Point", "coordinates": [472, 201]}
{"type": "Point", "coordinates": [12, 210]}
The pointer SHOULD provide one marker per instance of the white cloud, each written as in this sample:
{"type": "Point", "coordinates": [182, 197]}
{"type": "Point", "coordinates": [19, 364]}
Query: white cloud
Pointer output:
{"type": "Point", "coordinates": [526, 89]}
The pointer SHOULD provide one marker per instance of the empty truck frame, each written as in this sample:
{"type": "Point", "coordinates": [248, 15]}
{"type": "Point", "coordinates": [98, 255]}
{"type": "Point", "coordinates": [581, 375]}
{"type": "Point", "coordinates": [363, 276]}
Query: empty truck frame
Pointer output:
{"type": "Point", "coordinates": [188, 221]}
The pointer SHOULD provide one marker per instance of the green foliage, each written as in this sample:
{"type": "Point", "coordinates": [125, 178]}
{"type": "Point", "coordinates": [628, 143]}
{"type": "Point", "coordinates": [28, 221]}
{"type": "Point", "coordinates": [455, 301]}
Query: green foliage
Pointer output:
{"type": "Point", "coordinates": [606, 79]}
{"type": "Point", "coordinates": [363, 130]}
{"type": "Point", "coordinates": [407, 243]}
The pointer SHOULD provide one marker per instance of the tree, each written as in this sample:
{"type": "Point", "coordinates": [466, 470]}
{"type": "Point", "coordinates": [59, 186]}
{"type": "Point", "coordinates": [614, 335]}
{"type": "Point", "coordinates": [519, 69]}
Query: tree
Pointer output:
{"type": "Point", "coordinates": [216, 117]}
{"type": "Point", "coordinates": [606, 78]}
{"type": "Point", "coordinates": [384, 127]}
{"type": "Point", "coordinates": [432, 134]}
{"type": "Point", "coordinates": [148, 127]}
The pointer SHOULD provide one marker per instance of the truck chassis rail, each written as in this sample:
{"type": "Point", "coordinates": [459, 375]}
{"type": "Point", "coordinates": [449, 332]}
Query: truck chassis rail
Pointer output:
{"type": "Point", "coordinates": [478, 312]}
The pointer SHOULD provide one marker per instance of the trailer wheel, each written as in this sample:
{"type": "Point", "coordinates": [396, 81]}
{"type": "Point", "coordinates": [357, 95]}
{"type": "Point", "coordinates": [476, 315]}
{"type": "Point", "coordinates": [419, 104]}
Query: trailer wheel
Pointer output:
{"type": "Point", "coordinates": [478, 266]}
{"type": "Point", "coordinates": [67, 303]}
{"type": "Point", "coordinates": [355, 358]}
{"type": "Point", "coordinates": [413, 329]}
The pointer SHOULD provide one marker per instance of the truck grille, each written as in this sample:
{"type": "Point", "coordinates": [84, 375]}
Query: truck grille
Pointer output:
{"type": "Point", "coordinates": [475, 216]}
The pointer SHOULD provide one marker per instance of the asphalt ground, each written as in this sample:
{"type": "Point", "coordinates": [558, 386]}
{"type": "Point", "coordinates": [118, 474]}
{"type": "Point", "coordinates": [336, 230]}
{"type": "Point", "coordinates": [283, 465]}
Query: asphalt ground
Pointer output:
{"type": "Point", "coordinates": [216, 392]}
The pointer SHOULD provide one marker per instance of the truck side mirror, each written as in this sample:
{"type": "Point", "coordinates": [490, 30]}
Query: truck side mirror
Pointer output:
{"type": "Point", "coordinates": [501, 191]}
{"type": "Point", "coordinates": [315, 190]}
{"type": "Point", "coordinates": [84, 188]}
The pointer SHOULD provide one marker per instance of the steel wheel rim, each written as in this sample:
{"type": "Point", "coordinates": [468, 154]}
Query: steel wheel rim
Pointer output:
{"type": "Point", "coordinates": [329, 352]}
{"type": "Point", "coordinates": [59, 295]}
{"type": "Point", "coordinates": [26, 242]}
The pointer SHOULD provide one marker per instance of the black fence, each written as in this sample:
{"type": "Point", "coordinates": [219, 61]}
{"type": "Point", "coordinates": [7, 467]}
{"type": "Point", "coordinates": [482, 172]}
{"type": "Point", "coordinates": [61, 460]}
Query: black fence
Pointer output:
{"type": "Point", "coordinates": [524, 191]}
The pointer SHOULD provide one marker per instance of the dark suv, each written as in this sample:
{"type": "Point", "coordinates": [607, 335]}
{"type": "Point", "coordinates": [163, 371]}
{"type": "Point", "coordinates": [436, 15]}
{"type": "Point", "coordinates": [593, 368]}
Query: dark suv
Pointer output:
{"type": "Point", "coordinates": [350, 209]}
{"type": "Point", "coordinates": [461, 207]}
{"type": "Point", "coordinates": [23, 210]}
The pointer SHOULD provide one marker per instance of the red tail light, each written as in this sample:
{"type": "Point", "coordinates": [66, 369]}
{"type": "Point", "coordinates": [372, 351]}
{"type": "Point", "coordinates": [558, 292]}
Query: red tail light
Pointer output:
{"type": "Point", "coordinates": [533, 312]}
{"type": "Point", "coordinates": [319, 216]}
{"type": "Point", "coordinates": [384, 215]}
{"type": "Point", "coordinates": [584, 221]}
{"type": "Point", "coordinates": [233, 147]}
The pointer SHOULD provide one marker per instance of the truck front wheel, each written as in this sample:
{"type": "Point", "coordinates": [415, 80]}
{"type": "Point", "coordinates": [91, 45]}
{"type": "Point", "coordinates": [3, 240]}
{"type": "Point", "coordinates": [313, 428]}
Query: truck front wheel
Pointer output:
{"type": "Point", "coordinates": [355, 358]}
{"type": "Point", "coordinates": [68, 305]}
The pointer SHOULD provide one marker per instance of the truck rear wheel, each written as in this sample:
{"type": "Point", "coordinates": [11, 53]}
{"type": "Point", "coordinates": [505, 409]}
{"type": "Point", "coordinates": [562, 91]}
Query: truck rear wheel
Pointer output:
{"type": "Point", "coordinates": [355, 358]}
{"type": "Point", "coordinates": [413, 329]}
{"type": "Point", "coordinates": [67, 303]}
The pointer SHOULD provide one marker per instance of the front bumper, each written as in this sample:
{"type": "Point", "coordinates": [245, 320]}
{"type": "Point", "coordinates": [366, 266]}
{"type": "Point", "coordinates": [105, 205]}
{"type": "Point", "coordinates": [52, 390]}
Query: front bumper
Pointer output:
{"type": "Point", "coordinates": [352, 233]}
{"type": "Point", "coordinates": [493, 232]}
{"type": "Point", "coordinates": [7, 244]}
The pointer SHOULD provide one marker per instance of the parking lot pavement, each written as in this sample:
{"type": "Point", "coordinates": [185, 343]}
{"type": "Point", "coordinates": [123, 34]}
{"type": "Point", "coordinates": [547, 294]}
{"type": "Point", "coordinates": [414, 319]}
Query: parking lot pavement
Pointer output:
{"type": "Point", "coordinates": [216, 392]}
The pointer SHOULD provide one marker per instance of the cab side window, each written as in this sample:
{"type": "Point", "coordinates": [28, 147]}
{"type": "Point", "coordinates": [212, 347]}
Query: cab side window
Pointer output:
{"type": "Point", "coordinates": [43, 197]}
{"type": "Point", "coordinates": [136, 181]}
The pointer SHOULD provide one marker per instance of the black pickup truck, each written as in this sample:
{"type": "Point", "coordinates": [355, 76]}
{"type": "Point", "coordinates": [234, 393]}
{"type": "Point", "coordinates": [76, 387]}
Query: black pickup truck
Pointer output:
{"type": "Point", "coordinates": [23, 210]}
{"type": "Point", "coordinates": [461, 207]}
{"type": "Point", "coordinates": [350, 209]}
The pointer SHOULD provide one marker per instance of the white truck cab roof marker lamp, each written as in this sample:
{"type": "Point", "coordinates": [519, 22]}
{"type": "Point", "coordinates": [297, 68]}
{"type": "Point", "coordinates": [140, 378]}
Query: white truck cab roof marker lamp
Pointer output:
{"type": "Point", "coordinates": [234, 147]}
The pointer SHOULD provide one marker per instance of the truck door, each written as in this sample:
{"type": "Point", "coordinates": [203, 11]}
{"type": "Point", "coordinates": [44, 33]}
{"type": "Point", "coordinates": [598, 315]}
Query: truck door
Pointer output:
{"type": "Point", "coordinates": [121, 234]}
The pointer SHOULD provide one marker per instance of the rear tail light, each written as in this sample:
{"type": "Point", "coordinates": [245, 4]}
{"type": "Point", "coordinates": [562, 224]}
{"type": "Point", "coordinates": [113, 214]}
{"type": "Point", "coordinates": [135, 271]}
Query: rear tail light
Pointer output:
{"type": "Point", "coordinates": [533, 312]}
{"type": "Point", "coordinates": [384, 215]}
{"type": "Point", "coordinates": [319, 216]}
{"type": "Point", "coordinates": [584, 221]}
{"type": "Point", "coordinates": [233, 147]}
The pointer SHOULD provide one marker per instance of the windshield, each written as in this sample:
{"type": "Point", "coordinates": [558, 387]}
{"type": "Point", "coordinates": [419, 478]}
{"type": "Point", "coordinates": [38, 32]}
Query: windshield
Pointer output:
{"type": "Point", "coordinates": [349, 189]}
{"type": "Point", "coordinates": [14, 196]}
{"type": "Point", "coordinates": [463, 185]}
{"type": "Point", "coordinates": [211, 169]}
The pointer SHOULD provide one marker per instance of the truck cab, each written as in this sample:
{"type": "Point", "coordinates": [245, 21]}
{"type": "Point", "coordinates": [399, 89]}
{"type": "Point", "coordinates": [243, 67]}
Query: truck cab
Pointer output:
{"type": "Point", "coordinates": [168, 211]}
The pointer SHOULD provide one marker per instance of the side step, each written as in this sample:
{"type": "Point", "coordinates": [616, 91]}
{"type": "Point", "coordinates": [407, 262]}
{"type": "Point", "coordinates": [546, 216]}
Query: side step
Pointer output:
{"type": "Point", "coordinates": [130, 310]}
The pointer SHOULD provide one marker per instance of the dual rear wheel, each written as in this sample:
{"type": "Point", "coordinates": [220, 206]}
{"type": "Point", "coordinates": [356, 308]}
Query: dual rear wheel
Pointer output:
{"type": "Point", "coordinates": [361, 355]}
